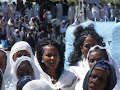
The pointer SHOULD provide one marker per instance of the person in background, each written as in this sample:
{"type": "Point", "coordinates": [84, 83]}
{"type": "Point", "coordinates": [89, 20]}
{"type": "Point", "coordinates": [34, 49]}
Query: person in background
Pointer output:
{"type": "Point", "coordinates": [83, 42]}
{"type": "Point", "coordinates": [5, 68]}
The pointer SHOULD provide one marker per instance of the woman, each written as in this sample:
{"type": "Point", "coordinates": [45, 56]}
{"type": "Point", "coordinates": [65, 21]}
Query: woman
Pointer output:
{"type": "Point", "coordinates": [87, 39]}
{"type": "Point", "coordinates": [5, 67]}
{"type": "Point", "coordinates": [19, 49]}
{"type": "Point", "coordinates": [95, 54]}
{"type": "Point", "coordinates": [100, 77]}
{"type": "Point", "coordinates": [51, 59]}
{"type": "Point", "coordinates": [24, 66]}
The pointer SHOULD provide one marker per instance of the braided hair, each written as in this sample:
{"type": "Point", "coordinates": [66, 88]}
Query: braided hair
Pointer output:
{"type": "Point", "coordinates": [40, 51]}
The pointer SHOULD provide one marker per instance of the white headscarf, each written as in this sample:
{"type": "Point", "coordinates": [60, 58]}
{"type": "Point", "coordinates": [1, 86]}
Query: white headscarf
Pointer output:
{"type": "Point", "coordinates": [112, 62]}
{"type": "Point", "coordinates": [37, 85]}
{"type": "Point", "coordinates": [16, 65]}
{"type": "Point", "coordinates": [7, 72]}
{"type": "Point", "coordinates": [22, 45]}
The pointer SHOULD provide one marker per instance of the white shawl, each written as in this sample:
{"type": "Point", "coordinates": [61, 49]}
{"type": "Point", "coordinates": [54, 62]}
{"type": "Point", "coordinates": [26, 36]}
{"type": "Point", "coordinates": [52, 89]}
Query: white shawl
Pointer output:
{"type": "Point", "coordinates": [7, 72]}
{"type": "Point", "coordinates": [16, 65]}
{"type": "Point", "coordinates": [22, 45]}
{"type": "Point", "coordinates": [37, 85]}
{"type": "Point", "coordinates": [112, 62]}
{"type": "Point", "coordinates": [67, 80]}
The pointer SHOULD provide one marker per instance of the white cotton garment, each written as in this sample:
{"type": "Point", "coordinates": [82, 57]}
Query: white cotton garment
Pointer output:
{"type": "Point", "coordinates": [7, 72]}
{"type": "Point", "coordinates": [67, 80]}
{"type": "Point", "coordinates": [37, 85]}
{"type": "Point", "coordinates": [21, 45]}
{"type": "Point", "coordinates": [15, 67]}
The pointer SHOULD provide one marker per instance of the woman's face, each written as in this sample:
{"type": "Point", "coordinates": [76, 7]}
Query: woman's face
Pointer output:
{"type": "Point", "coordinates": [25, 69]}
{"type": "Point", "coordinates": [97, 80]}
{"type": "Point", "coordinates": [94, 57]}
{"type": "Point", "coordinates": [51, 57]}
{"type": "Point", "coordinates": [88, 43]}
{"type": "Point", "coordinates": [21, 53]}
{"type": "Point", "coordinates": [3, 60]}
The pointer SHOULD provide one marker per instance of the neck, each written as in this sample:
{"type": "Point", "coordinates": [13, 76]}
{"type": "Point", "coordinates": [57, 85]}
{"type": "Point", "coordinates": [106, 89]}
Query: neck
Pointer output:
{"type": "Point", "coordinates": [52, 73]}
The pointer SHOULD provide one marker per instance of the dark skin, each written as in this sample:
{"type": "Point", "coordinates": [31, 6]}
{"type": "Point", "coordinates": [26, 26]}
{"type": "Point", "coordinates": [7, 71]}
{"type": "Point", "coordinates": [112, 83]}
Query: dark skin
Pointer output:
{"type": "Point", "coordinates": [88, 43]}
{"type": "Point", "coordinates": [21, 53]}
{"type": "Point", "coordinates": [3, 59]}
{"type": "Point", "coordinates": [98, 79]}
{"type": "Point", "coordinates": [51, 60]}
{"type": "Point", "coordinates": [25, 69]}
{"type": "Point", "coordinates": [94, 57]}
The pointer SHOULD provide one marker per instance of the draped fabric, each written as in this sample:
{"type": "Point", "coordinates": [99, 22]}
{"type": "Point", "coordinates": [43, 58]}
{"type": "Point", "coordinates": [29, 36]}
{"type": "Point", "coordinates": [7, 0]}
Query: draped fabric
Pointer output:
{"type": "Point", "coordinates": [67, 80]}
{"type": "Point", "coordinates": [111, 61]}
{"type": "Point", "coordinates": [37, 85]}
{"type": "Point", "coordinates": [15, 67]}
{"type": "Point", "coordinates": [22, 45]}
{"type": "Point", "coordinates": [112, 76]}
{"type": "Point", "coordinates": [7, 72]}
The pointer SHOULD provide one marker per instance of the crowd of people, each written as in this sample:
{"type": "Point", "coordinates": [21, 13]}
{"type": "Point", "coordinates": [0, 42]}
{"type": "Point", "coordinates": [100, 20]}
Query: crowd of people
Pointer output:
{"type": "Point", "coordinates": [33, 47]}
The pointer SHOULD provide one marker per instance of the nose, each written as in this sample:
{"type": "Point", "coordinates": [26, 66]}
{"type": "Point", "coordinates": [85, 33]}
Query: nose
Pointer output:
{"type": "Point", "coordinates": [52, 58]}
{"type": "Point", "coordinates": [95, 81]}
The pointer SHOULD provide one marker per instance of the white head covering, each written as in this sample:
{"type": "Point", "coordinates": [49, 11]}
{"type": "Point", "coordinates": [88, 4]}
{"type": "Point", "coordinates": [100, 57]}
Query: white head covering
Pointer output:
{"type": "Point", "coordinates": [21, 45]}
{"type": "Point", "coordinates": [37, 85]}
{"type": "Point", "coordinates": [112, 62]}
{"type": "Point", "coordinates": [7, 72]}
{"type": "Point", "coordinates": [15, 67]}
{"type": "Point", "coordinates": [17, 64]}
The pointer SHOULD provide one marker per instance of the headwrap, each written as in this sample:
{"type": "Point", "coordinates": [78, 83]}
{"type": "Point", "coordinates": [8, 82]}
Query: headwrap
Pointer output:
{"type": "Point", "coordinates": [37, 85]}
{"type": "Point", "coordinates": [105, 65]}
{"type": "Point", "coordinates": [110, 59]}
{"type": "Point", "coordinates": [17, 64]}
{"type": "Point", "coordinates": [23, 81]}
{"type": "Point", "coordinates": [7, 72]}
{"type": "Point", "coordinates": [22, 45]}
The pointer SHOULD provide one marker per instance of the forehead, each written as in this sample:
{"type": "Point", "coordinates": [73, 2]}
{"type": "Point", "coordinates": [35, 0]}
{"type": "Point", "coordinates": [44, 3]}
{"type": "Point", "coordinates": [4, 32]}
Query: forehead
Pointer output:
{"type": "Point", "coordinates": [50, 48]}
{"type": "Point", "coordinates": [89, 39]}
{"type": "Point", "coordinates": [100, 72]}
{"type": "Point", "coordinates": [95, 52]}
{"type": "Point", "coordinates": [24, 64]}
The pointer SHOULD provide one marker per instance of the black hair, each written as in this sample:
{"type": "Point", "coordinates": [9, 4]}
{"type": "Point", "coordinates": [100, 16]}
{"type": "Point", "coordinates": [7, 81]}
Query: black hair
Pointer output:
{"type": "Point", "coordinates": [102, 51]}
{"type": "Point", "coordinates": [40, 50]}
{"type": "Point", "coordinates": [77, 53]}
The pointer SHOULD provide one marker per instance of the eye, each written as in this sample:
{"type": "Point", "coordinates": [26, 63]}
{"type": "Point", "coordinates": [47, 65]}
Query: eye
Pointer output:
{"type": "Point", "coordinates": [91, 61]}
{"type": "Point", "coordinates": [87, 46]}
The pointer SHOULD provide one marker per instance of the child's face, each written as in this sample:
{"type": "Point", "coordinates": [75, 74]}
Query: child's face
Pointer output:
{"type": "Point", "coordinates": [97, 80]}
{"type": "Point", "coordinates": [95, 56]}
